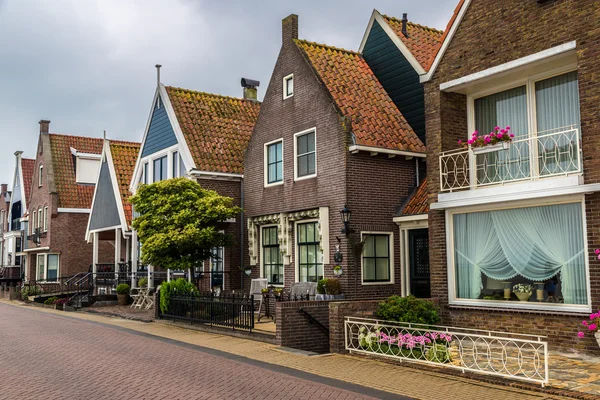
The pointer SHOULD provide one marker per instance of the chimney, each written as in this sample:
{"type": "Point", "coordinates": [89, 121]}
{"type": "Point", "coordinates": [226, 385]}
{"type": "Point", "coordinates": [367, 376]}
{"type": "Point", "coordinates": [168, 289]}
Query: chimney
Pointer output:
{"type": "Point", "coordinates": [44, 126]}
{"type": "Point", "coordinates": [289, 28]}
{"type": "Point", "coordinates": [157, 66]}
{"type": "Point", "coordinates": [404, 23]}
{"type": "Point", "coordinates": [250, 91]}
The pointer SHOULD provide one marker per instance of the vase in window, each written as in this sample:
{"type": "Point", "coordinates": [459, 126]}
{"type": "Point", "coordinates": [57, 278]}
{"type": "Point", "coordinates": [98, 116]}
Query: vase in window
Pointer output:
{"type": "Point", "coordinates": [539, 291]}
{"type": "Point", "coordinates": [507, 289]}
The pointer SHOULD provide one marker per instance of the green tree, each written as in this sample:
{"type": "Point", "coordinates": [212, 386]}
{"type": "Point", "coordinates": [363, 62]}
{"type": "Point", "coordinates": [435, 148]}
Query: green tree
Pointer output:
{"type": "Point", "coordinates": [178, 222]}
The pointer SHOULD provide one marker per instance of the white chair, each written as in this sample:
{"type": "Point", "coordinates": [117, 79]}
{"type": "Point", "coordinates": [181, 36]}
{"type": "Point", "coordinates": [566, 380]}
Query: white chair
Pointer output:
{"type": "Point", "coordinates": [256, 286]}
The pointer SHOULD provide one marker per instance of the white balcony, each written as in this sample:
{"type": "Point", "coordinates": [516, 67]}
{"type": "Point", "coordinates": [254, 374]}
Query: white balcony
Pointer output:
{"type": "Point", "coordinates": [541, 155]}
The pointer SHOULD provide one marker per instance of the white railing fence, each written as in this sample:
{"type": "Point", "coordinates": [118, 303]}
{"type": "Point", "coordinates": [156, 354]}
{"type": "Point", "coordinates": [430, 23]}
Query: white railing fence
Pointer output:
{"type": "Point", "coordinates": [544, 154]}
{"type": "Point", "coordinates": [508, 355]}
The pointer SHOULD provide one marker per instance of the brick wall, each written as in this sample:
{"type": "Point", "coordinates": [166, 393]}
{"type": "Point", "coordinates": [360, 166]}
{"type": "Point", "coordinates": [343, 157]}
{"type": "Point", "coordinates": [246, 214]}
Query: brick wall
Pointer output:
{"type": "Point", "coordinates": [489, 36]}
{"type": "Point", "coordinates": [337, 313]}
{"type": "Point", "coordinates": [295, 329]}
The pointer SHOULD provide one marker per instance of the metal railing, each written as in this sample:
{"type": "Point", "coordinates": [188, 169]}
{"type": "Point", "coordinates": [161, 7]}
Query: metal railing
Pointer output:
{"type": "Point", "coordinates": [233, 310]}
{"type": "Point", "coordinates": [11, 272]}
{"type": "Point", "coordinates": [541, 155]}
{"type": "Point", "coordinates": [67, 285]}
{"type": "Point", "coordinates": [508, 355]}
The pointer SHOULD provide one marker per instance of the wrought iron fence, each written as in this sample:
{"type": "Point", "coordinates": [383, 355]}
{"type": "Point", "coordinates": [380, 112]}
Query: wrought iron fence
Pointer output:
{"type": "Point", "coordinates": [234, 311]}
{"type": "Point", "coordinates": [69, 285]}
{"type": "Point", "coordinates": [543, 154]}
{"type": "Point", "coordinates": [515, 356]}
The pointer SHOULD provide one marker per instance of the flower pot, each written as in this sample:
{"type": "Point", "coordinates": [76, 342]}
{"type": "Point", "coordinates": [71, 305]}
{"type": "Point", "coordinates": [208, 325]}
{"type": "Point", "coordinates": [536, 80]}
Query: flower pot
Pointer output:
{"type": "Point", "coordinates": [248, 272]}
{"type": "Point", "coordinates": [58, 307]}
{"type": "Point", "coordinates": [523, 296]}
{"type": "Point", "coordinates": [597, 336]}
{"type": "Point", "coordinates": [491, 148]}
{"type": "Point", "coordinates": [338, 272]}
{"type": "Point", "coordinates": [122, 299]}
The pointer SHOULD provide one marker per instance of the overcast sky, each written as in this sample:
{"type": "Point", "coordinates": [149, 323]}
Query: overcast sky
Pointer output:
{"type": "Point", "coordinates": [88, 65]}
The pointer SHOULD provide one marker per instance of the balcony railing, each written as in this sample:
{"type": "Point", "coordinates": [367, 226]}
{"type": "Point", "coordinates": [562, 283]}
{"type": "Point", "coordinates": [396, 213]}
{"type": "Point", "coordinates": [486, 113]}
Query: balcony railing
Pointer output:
{"type": "Point", "coordinates": [16, 225]}
{"type": "Point", "coordinates": [541, 155]}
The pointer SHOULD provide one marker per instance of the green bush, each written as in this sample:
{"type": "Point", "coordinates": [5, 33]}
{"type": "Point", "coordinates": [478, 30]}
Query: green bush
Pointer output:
{"type": "Point", "coordinates": [123, 288]}
{"type": "Point", "coordinates": [333, 286]}
{"type": "Point", "coordinates": [173, 288]}
{"type": "Point", "coordinates": [321, 286]}
{"type": "Point", "coordinates": [143, 282]}
{"type": "Point", "coordinates": [438, 353]}
{"type": "Point", "coordinates": [50, 300]}
{"type": "Point", "coordinates": [27, 291]}
{"type": "Point", "coordinates": [408, 309]}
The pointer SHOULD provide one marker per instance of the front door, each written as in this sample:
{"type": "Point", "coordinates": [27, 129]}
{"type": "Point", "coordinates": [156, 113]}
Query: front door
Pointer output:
{"type": "Point", "coordinates": [418, 244]}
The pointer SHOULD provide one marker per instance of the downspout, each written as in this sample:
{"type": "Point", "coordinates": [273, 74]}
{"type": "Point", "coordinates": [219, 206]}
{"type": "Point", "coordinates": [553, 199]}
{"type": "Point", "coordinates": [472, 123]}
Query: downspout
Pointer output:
{"type": "Point", "coordinates": [242, 233]}
{"type": "Point", "coordinates": [417, 170]}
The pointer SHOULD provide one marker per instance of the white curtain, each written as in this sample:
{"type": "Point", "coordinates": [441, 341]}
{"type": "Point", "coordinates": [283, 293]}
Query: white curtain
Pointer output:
{"type": "Point", "coordinates": [535, 242]}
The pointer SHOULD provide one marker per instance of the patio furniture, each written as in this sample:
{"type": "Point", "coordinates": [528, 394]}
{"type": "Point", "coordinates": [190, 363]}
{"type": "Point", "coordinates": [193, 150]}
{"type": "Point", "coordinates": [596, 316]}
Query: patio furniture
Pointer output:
{"type": "Point", "coordinates": [304, 288]}
{"type": "Point", "coordinates": [256, 286]}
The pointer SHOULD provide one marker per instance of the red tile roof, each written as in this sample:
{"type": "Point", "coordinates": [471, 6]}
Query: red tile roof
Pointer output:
{"type": "Point", "coordinates": [27, 165]}
{"type": "Point", "coordinates": [445, 34]}
{"type": "Point", "coordinates": [417, 202]}
{"type": "Point", "coordinates": [71, 194]}
{"type": "Point", "coordinates": [422, 41]}
{"type": "Point", "coordinates": [216, 128]}
{"type": "Point", "coordinates": [124, 156]}
{"type": "Point", "coordinates": [375, 119]}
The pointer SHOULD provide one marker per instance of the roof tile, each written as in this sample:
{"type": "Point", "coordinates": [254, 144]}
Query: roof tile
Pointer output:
{"type": "Point", "coordinates": [417, 202]}
{"type": "Point", "coordinates": [124, 156]}
{"type": "Point", "coordinates": [28, 165]}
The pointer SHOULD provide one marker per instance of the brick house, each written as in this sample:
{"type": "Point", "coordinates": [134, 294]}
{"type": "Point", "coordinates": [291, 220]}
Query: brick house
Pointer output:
{"type": "Point", "coordinates": [328, 136]}
{"type": "Point", "coordinates": [14, 218]}
{"type": "Point", "coordinates": [202, 136]}
{"type": "Point", "coordinates": [63, 180]}
{"type": "Point", "coordinates": [111, 213]}
{"type": "Point", "coordinates": [527, 214]}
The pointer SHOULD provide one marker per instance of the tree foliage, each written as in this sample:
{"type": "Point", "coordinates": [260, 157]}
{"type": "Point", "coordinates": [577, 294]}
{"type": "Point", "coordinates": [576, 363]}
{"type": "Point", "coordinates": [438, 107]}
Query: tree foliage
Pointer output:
{"type": "Point", "coordinates": [178, 222]}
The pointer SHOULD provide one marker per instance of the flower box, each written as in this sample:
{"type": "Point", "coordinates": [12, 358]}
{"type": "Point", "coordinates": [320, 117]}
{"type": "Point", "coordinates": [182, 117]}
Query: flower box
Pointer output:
{"type": "Point", "coordinates": [491, 148]}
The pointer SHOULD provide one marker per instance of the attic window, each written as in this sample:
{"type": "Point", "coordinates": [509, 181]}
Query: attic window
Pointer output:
{"type": "Point", "coordinates": [87, 166]}
{"type": "Point", "coordinates": [158, 103]}
{"type": "Point", "coordinates": [288, 86]}
{"type": "Point", "coordinates": [40, 176]}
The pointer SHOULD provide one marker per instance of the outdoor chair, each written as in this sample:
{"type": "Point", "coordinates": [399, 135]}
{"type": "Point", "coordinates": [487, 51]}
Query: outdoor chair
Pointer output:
{"type": "Point", "coordinates": [256, 286]}
{"type": "Point", "coordinates": [303, 288]}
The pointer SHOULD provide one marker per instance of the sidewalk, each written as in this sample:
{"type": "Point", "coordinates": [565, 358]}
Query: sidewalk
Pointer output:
{"type": "Point", "coordinates": [410, 382]}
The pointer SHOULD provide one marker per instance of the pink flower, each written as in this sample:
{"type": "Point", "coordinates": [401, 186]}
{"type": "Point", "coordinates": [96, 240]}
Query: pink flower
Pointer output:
{"type": "Point", "coordinates": [499, 136]}
{"type": "Point", "coordinates": [584, 322]}
{"type": "Point", "coordinates": [580, 334]}
{"type": "Point", "coordinates": [503, 131]}
{"type": "Point", "coordinates": [471, 141]}
{"type": "Point", "coordinates": [497, 128]}
{"type": "Point", "coordinates": [598, 251]}
{"type": "Point", "coordinates": [507, 128]}
{"type": "Point", "coordinates": [512, 136]}
{"type": "Point", "coordinates": [460, 141]}
{"type": "Point", "coordinates": [475, 133]}
{"type": "Point", "coordinates": [592, 327]}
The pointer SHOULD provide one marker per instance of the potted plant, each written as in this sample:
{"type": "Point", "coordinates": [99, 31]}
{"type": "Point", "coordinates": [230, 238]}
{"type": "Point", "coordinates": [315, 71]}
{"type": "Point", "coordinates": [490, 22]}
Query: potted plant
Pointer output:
{"type": "Point", "coordinates": [498, 139]}
{"type": "Point", "coordinates": [264, 291]}
{"type": "Point", "coordinates": [337, 270]}
{"type": "Point", "coordinates": [143, 282]}
{"type": "Point", "coordinates": [123, 294]}
{"type": "Point", "coordinates": [59, 304]}
{"type": "Point", "coordinates": [333, 288]}
{"type": "Point", "coordinates": [321, 292]}
{"type": "Point", "coordinates": [247, 270]}
{"type": "Point", "coordinates": [523, 291]}
{"type": "Point", "coordinates": [277, 292]}
{"type": "Point", "coordinates": [591, 326]}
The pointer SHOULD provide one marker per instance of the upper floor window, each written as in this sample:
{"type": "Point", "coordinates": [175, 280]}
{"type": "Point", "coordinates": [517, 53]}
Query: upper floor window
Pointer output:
{"type": "Point", "coordinates": [175, 164]}
{"type": "Point", "coordinates": [305, 154]}
{"type": "Point", "coordinates": [274, 163]}
{"type": "Point", "coordinates": [40, 175]}
{"type": "Point", "coordinates": [288, 86]}
{"type": "Point", "coordinates": [46, 219]}
{"type": "Point", "coordinates": [160, 169]}
{"type": "Point", "coordinates": [145, 173]}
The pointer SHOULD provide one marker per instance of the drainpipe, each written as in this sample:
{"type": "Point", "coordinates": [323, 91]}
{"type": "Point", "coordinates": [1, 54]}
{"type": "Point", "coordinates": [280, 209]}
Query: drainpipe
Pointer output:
{"type": "Point", "coordinates": [417, 170]}
{"type": "Point", "coordinates": [242, 232]}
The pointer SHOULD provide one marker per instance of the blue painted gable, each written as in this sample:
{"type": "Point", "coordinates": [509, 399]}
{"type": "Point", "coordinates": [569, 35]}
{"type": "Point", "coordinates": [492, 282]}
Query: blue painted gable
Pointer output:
{"type": "Point", "coordinates": [160, 133]}
{"type": "Point", "coordinates": [105, 212]}
{"type": "Point", "coordinates": [397, 77]}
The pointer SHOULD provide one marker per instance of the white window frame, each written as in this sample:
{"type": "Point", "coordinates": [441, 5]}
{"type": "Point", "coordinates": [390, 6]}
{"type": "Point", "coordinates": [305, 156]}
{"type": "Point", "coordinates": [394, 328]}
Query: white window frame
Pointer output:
{"type": "Point", "coordinates": [391, 256]}
{"type": "Point", "coordinates": [39, 220]}
{"type": "Point", "coordinates": [266, 164]}
{"type": "Point", "coordinates": [210, 274]}
{"type": "Point", "coordinates": [175, 163]}
{"type": "Point", "coordinates": [297, 254]}
{"type": "Point", "coordinates": [296, 135]}
{"type": "Point", "coordinates": [150, 160]}
{"type": "Point", "coordinates": [285, 81]}
{"type": "Point", "coordinates": [40, 175]}
{"type": "Point", "coordinates": [44, 276]}
{"type": "Point", "coordinates": [516, 305]}
{"type": "Point", "coordinates": [33, 215]}
{"type": "Point", "coordinates": [262, 258]}
{"type": "Point", "coordinates": [46, 219]}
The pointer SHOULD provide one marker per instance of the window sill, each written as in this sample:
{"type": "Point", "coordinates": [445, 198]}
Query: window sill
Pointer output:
{"type": "Point", "coordinates": [302, 178]}
{"type": "Point", "coordinates": [496, 306]}
{"type": "Point", "coordinates": [268, 185]}
{"type": "Point", "coordinates": [377, 283]}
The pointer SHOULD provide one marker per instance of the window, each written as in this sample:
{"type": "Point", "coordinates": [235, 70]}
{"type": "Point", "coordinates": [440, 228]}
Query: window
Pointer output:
{"type": "Point", "coordinates": [310, 256]}
{"type": "Point", "coordinates": [542, 247]}
{"type": "Point", "coordinates": [288, 86]}
{"type": "Point", "coordinates": [175, 164]}
{"type": "Point", "coordinates": [274, 163]}
{"type": "Point", "coordinates": [46, 219]}
{"type": "Point", "coordinates": [40, 267]}
{"type": "Point", "coordinates": [40, 175]}
{"type": "Point", "coordinates": [182, 169]}
{"type": "Point", "coordinates": [306, 157]}
{"type": "Point", "coordinates": [216, 267]}
{"type": "Point", "coordinates": [271, 256]}
{"type": "Point", "coordinates": [160, 169]}
{"type": "Point", "coordinates": [33, 223]}
{"type": "Point", "coordinates": [145, 173]}
{"type": "Point", "coordinates": [47, 267]}
{"type": "Point", "coordinates": [87, 168]}
{"type": "Point", "coordinates": [39, 219]}
{"type": "Point", "coordinates": [18, 249]}
{"type": "Point", "coordinates": [546, 110]}
{"type": "Point", "coordinates": [376, 258]}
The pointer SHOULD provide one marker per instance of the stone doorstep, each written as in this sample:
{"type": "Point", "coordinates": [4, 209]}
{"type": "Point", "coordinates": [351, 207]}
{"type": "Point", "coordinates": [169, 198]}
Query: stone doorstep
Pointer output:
{"type": "Point", "coordinates": [495, 380]}
{"type": "Point", "coordinates": [259, 337]}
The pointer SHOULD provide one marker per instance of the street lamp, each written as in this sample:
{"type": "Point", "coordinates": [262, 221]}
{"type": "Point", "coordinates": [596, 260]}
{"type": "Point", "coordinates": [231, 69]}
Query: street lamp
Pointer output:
{"type": "Point", "coordinates": [345, 213]}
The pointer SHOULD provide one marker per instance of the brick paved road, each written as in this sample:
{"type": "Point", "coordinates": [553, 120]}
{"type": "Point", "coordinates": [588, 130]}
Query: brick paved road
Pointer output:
{"type": "Point", "coordinates": [47, 356]}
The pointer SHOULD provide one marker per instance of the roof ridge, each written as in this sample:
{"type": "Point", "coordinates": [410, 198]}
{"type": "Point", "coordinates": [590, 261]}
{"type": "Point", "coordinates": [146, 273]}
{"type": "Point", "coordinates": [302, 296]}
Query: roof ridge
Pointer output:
{"type": "Point", "coordinates": [440, 31]}
{"type": "Point", "coordinates": [327, 46]}
{"type": "Point", "coordinates": [74, 136]}
{"type": "Point", "coordinates": [124, 142]}
{"type": "Point", "coordinates": [213, 94]}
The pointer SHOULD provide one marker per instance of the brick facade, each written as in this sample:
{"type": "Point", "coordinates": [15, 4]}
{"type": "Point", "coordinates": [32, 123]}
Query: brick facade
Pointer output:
{"type": "Point", "coordinates": [489, 36]}
{"type": "Point", "coordinates": [295, 328]}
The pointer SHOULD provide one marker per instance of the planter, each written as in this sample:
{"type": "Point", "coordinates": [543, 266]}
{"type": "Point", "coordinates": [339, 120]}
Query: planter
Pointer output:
{"type": "Point", "coordinates": [523, 296]}
{"type": "Point", "coordinates": [338, 272]}
{"type": "Point", "coordinates": [122, 299]}
{"type": "Point", "coordinates": [58, 307]}
{"type": "Point", "coordinates": [597, 336]}
{"type": "Point", "coordinates": [248, 272]}
{"type": "Point", "coordinates": [491, 148]}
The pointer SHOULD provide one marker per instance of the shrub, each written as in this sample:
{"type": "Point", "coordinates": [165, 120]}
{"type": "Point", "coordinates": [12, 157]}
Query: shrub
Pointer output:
{"type": "Point", "coordinates": [408, 309]}
{"type": "Point", "coordinates": [321, 286]}
{"type": "Point", "coordinates": [173, 288]}
{"type": "Point", "coordinates": [27, 291]}
{"type": "Point", "coordinates": [123, 288]}
{"type": "Point", "coordinates": [333, 286]}
{"type": "Point", "coordinates": [143, 282]}
{"type": "Point", "coordinates": [50, 300]}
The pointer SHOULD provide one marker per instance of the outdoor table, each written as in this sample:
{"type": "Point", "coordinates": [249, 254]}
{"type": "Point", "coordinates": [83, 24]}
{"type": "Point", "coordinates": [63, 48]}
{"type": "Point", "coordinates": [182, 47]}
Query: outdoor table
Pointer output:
{"type": "Point", "coordinates": [267, 313]}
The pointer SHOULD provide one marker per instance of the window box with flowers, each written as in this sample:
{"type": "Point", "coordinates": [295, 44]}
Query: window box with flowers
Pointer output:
{"type": "Point", "coordinates": [498, 139]}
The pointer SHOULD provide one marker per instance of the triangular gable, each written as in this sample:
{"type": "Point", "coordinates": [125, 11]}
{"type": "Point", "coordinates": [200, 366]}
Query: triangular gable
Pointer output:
{"type": "Point", "coordinates": [105, 212]}
{"type": "Point", "coordinates": [160, 132]}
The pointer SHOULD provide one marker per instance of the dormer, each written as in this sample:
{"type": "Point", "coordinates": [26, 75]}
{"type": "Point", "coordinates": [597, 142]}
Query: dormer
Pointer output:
{"type": "Point", "coordinates": [87, 166]}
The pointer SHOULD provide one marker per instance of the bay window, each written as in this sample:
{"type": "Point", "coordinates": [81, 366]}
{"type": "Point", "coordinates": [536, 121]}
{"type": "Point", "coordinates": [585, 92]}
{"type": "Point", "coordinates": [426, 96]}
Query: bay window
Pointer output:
{"type": "Point", "coordinates": [310, 255]}
{"type": "Point", "coordinates": [541, 247]}
{"type": "Point", "coordinates": [271, 256]}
